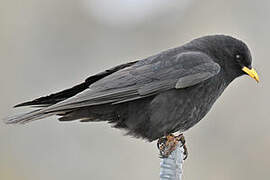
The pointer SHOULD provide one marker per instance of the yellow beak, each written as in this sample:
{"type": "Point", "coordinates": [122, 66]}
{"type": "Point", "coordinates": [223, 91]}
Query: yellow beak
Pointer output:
{"type": "Point", "coordinates": [252, 73]}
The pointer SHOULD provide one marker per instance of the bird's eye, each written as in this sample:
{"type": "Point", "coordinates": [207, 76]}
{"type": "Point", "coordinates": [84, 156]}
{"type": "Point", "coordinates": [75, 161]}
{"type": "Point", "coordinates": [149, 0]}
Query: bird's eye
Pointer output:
{"type": "Point", "coordinates": [238, 56]}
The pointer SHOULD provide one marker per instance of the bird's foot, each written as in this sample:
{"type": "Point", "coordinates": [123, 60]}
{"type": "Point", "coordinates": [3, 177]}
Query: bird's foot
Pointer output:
{"type": "Point", "coordinates": [168, 144]}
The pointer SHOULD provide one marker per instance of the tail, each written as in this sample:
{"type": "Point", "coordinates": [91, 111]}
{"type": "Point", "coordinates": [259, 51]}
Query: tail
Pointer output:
{"type": "Point", "coordinates": [27, 117]}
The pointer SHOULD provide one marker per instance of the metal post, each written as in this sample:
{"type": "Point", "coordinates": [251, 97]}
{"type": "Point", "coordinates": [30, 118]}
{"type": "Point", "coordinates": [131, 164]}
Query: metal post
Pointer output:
{"type": "Point", "coordinates": [171, 167]}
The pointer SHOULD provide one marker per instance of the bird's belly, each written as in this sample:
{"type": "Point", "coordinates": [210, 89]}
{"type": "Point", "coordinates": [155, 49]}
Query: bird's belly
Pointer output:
{"type": "Point", "coordinates": [168, 112]}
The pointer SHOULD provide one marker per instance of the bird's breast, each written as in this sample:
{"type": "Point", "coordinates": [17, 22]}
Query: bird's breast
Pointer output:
{"type": "Point", "coordinates": [198, 101]}
{"type": "Point", "coordinates": [180, 109]}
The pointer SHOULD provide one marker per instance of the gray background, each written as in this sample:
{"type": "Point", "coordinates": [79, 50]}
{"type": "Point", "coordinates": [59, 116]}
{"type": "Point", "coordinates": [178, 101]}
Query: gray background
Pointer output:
{"type": "Point", "coordinates": [48, 45]}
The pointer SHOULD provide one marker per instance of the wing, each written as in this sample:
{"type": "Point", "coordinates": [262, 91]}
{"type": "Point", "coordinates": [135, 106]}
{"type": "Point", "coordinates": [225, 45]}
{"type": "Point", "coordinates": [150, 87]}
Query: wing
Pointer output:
{"type": "Point", "coordinates": [145, 78]}
{"type": "Point", "coordinates": [67, 93]}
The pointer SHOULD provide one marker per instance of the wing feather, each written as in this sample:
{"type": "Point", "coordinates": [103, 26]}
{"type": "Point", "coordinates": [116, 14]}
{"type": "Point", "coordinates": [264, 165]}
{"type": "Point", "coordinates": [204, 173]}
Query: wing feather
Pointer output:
{"type": "Point", "coordinates": [143, 79]}
{"type": "Point", "coordinates": [67, 93]}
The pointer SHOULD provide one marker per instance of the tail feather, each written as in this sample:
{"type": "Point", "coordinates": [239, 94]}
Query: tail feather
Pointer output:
{"type": "Point", "coordinates": [27, 117]}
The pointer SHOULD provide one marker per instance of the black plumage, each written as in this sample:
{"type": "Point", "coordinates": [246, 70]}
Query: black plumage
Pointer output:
{"type": "Point", "coordinates": [155, 96]}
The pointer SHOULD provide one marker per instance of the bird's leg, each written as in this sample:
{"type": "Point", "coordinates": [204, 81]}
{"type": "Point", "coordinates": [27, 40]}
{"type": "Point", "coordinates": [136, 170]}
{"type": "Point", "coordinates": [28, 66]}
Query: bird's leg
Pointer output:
{"type": "Point", "coordinates": [167, 145]}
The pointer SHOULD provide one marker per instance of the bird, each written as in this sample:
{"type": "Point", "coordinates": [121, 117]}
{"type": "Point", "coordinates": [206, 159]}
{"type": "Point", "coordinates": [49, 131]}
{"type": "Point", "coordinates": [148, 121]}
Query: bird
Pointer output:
{"type": "Point", "coordinates": [152, 97]}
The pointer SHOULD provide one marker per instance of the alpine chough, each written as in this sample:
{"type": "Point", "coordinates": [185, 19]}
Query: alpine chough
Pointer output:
{"type": "Point", "coordinates": [162, 94]}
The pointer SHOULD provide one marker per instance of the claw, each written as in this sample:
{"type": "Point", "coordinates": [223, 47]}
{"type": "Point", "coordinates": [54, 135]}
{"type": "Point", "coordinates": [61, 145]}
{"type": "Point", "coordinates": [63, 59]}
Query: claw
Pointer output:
{"type": "Point", "coordinates": [185, 152]}
{"type": "Point", "coordinates": [167, 145]}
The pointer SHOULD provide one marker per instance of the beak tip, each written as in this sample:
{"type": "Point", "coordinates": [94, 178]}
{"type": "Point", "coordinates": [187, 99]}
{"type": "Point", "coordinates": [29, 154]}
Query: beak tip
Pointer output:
{"type": "Point", "coordinates": [252, 73]}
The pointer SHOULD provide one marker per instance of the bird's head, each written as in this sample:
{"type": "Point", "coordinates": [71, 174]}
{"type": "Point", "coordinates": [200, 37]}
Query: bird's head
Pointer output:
{"type": "Point", "coordinates": [232, 54]}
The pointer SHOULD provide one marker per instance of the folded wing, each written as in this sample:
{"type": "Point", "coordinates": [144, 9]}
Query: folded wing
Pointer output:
{"type": "Point", "coordinates": [145, 78]}
{"type": "Point", "coordinates": [137, 80]}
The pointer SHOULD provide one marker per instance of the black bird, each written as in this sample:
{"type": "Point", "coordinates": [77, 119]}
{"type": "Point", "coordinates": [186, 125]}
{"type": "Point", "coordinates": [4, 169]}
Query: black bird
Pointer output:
{"type": "Point", "coordinates": [155, 96]}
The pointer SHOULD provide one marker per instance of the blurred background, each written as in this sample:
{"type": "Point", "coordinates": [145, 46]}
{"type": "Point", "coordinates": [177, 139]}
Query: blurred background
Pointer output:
{"type": "Point", "coordinates": [46, 46]}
